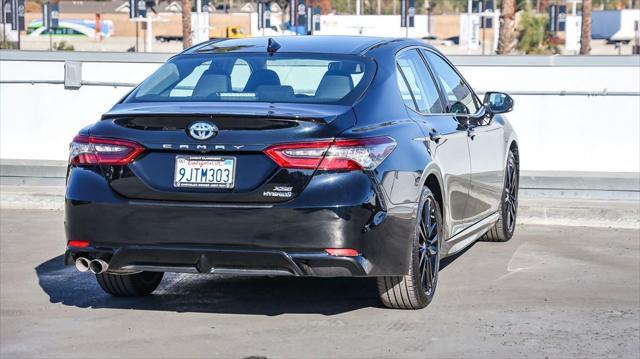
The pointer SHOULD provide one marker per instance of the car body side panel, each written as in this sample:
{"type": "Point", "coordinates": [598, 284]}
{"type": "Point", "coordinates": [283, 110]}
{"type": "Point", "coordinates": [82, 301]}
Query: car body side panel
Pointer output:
{"type": "Point", "coordinates": [509, 134]}
{"type": "Point", "coordinates": [486, 144]}
{"type": "Point", "coordinates": [451, 152]}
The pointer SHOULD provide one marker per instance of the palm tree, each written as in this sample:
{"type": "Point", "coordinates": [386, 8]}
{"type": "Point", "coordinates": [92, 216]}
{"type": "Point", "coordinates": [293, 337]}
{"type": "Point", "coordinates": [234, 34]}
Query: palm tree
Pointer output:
{"type": "Point", "coordinates": [186, 23]}
{"type": "Point", "coordinates": [585, 37]}
{"type": "Point", "coordinates": [284, 6]}
{"type": "Point", "coordinates": [507, 26]}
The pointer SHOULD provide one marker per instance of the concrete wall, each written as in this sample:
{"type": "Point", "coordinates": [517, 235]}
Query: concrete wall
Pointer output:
{"type": "Point", "coordinates": [557, 133]}
{"type": "Point", "coordinates": [371, 25]}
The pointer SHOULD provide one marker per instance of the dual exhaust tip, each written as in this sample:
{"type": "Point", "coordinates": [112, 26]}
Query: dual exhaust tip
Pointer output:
{"type": "Point", "coordinates": [96, 266]}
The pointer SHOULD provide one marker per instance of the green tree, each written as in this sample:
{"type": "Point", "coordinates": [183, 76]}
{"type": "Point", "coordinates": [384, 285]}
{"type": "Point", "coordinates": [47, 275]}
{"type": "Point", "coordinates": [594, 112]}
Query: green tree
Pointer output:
{"type": "Point", "coordinates": [533, 37]}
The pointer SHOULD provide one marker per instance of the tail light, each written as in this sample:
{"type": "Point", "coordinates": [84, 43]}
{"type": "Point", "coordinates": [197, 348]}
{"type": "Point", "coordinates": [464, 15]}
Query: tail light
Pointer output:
{"type": "Point", "coordinates": [343, 252]}
{"type": "Point", "coordinates": [355, 154]}
{"type": "Point", "coordinates": [86, 150]}
{"type": "Point", "coordinates": [78, 244]}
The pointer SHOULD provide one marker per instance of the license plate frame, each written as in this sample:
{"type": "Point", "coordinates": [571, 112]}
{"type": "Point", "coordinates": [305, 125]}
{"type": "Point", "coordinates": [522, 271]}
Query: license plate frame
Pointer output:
{"type": "Point", "coordinates": [190, 158]}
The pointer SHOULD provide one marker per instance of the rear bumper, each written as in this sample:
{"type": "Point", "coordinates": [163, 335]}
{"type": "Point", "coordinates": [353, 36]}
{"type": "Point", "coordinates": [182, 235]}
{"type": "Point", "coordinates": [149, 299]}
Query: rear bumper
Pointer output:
{"type": "Point", "coordinates": [288, 238]}
{"type": "Point", "coordinates": [224, 261]}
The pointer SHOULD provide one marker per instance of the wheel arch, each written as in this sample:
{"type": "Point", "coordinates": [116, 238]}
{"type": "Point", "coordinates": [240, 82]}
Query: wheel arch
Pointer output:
{"type": "Point", "coordinates": [433, 180]}
{"type": "Point", "coordinates": [513, 147]}
{"type": "Point", "coordinates": [433, 184]}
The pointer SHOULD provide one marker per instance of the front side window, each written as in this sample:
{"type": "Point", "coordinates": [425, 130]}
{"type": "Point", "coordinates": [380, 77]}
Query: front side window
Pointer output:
{"type": "Point", "coordinates": [459, 95]}
{"type": "Point", "coordinates": [257, 77]}
{"type": "Point", "coordinates": [419, 81]}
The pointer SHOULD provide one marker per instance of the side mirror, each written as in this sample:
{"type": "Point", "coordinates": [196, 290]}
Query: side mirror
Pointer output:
{"type": "Point", "coordinates": [498, 102]}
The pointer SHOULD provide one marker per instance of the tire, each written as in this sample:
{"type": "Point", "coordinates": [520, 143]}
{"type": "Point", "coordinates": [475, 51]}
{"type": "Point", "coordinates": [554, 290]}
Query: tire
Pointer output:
{"type": "Point", "coordinates": [504, 228]}
{"type": "Point", "coordinates": [416, 289]}
{"type": "Point", "coordinates": [129, 285]}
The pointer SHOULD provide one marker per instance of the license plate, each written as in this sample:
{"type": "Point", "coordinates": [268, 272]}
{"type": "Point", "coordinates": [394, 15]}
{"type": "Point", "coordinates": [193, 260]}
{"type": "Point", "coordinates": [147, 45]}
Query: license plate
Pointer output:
{"type": "Point", "coordinates": [205, 172]}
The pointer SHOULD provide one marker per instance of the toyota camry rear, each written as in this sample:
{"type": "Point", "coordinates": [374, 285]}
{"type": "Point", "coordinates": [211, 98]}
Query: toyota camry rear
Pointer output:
{"type": "Point", "coordinates": [230, 164]}
{"type": "Point", "coordinates": [300, 156]}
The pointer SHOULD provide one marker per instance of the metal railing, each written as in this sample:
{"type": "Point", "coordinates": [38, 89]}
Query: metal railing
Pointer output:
{"type": "Point", "coordinates": [61, 82]}
{"type": "Point", "coordinates": [513, 93]}
{"type": "Point", "coordinates": [459, 60]}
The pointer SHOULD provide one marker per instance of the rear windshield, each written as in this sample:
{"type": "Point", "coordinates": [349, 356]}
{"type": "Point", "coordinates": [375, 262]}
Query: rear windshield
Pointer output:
{"type": "Point", "coordinates": [253, 77]}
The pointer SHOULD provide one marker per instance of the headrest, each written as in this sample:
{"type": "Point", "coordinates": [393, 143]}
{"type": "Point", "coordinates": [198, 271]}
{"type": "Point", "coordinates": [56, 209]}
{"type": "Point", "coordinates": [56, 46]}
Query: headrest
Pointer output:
{"type": "Point", "coordinates": [334, 86]}
{"type": "Point", "coordinates": [261, 77]}
{"type": "Point", "coordinates": [344, 68]}
{"type": "Point", "coordinates": [211, 83]}
{"type": "Point", "coordinates": [221, 66]}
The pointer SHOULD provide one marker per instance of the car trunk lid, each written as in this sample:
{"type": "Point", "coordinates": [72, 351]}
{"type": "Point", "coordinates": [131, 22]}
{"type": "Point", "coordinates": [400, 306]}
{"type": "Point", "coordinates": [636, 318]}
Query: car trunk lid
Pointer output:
{"type": "Point", "coordinates": [244, 131]}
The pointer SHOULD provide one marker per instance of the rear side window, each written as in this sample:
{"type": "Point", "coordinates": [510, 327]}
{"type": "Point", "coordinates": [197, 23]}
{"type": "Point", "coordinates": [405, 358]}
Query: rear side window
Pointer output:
{"type": "Point", "coordinates": [459, 95]}
{"type": "Point", "coordinates": [407, 97]}
{"type": "Point", "coordinates": [257, 77]}
{"type": "Point", "coordinates": [419, 81]}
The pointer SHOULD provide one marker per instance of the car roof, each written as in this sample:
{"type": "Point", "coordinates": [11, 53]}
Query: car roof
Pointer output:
{"type": "Point", "coordinates": [325, 44]}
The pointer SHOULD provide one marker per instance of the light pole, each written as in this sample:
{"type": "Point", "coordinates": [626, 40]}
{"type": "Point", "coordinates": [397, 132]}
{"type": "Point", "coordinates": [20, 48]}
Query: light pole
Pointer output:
{"type": "Point", "coordinates": [469, 24]}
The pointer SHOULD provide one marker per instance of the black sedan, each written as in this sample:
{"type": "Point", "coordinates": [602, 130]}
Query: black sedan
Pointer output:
{"type": "Point", "coordinates": [294, 156]}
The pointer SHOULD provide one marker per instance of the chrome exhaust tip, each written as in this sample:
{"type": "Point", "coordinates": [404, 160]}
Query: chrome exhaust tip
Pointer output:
{"type": "Point", "coordinates": [82, 264]}
{"type": "Point", "coordinates": [98, 266]}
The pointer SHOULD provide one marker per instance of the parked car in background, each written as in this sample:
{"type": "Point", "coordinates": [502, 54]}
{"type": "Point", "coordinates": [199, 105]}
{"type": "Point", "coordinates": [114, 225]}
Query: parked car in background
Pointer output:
{"type": "Point", "coordinates": [72, 28]}
{"type": "Point", "coordinates": [324, 156]}
{"type": "Point", "coordinates": [434, 40]}
{"type": "Point", "coordinates": [231, 32]}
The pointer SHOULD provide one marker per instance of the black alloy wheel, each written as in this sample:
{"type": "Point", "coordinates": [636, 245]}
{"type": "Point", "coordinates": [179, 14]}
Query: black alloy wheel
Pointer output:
{"type": "Point", "coordinates": [428, 247]}
{"type": "Point", "coordinates": [504, 228]}
{"type": "Point", "coordinates": [417, 289]}
{"type": "Point", "coordinates": [511, 194]}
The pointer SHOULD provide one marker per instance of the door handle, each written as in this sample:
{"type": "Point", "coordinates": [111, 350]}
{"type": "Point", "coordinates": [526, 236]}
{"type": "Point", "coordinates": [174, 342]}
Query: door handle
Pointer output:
{"type": "Point", "coordinates": [471, 133]}
{"type": "Point", "coordinates": [435, 136]}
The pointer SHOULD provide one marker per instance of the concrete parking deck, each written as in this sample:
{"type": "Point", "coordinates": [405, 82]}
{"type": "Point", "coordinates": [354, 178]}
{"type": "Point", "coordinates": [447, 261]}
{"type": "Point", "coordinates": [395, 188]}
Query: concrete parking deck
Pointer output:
{"type": "Point", "coordinates": [552, 292]}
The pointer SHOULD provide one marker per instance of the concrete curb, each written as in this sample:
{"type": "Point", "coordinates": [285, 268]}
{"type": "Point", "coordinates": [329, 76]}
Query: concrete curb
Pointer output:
{"type": "Point", "coordinates": [534, 184]}
{"type": "Point", "coordinates": [32, 172]}
{"type": "Point", "coordinates": [32, 197]}
{"type": "Point", "coordinates": [533, 211]}
{"type": "Point", "coordinates": [583, 213]}
{"type": "Point", "coordinates": [592, 199]}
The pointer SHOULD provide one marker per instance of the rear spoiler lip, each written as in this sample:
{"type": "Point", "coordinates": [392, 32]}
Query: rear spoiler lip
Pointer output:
{"type": "Point", "coordinates": [286, 117]}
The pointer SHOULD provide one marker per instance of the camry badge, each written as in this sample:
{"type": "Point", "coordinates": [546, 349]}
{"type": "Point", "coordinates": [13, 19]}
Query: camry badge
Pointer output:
{"type": "Point", "coordinates": [202, 130]}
